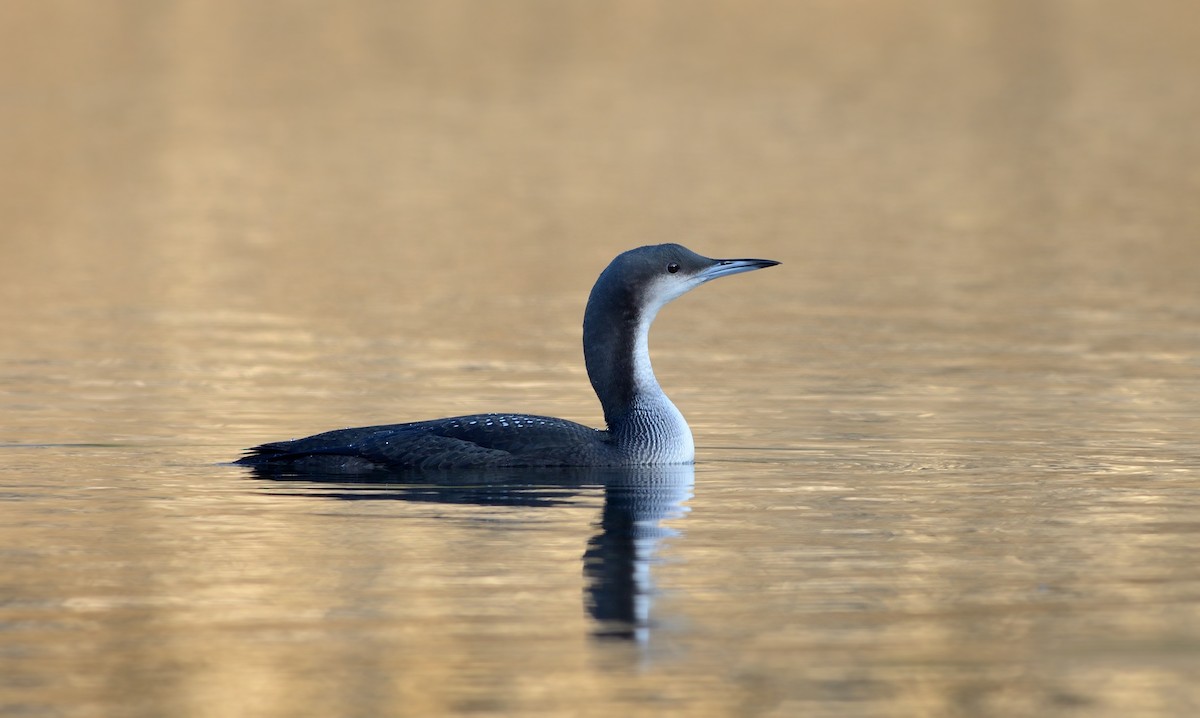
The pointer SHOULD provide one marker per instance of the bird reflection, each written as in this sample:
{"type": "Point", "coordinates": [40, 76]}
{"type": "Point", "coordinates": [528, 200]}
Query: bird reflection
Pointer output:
{"type": "Point", "coordinates": [619, 590]}
{"type": "Point", "coordinates": [618, 558]}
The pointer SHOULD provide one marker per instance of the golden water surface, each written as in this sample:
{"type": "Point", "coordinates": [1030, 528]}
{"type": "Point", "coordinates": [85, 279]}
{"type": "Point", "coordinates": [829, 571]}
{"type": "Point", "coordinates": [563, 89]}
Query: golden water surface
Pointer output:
{"type": "Point", "coordinates": [948, 454]}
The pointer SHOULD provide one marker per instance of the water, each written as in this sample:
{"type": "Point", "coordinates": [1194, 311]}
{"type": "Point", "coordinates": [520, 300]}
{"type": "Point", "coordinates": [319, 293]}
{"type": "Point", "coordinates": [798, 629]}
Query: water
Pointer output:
{"type": "Point", "coordinates": [947, 452]}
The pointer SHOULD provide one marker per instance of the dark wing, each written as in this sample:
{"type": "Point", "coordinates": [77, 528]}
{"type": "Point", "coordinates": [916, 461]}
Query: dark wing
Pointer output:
{"type": "Point", "coordinates": [461, 441]}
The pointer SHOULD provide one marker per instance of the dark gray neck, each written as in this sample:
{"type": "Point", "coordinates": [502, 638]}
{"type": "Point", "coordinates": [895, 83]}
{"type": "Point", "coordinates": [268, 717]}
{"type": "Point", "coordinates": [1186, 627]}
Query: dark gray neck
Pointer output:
{"type": "Point", "coordinates": [613, 339]}
{"type": "Point", "coordinates": [643, 421]}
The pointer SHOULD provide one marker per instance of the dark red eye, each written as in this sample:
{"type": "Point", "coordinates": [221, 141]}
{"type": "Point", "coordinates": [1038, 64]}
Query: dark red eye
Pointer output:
{"type": "Point", "coordinates": [672, 268]}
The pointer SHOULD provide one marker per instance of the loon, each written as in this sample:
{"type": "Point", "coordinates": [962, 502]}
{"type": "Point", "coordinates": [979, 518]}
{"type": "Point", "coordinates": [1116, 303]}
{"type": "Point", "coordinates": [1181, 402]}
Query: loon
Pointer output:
{"type": "Point", "coordinates": [644, 427]}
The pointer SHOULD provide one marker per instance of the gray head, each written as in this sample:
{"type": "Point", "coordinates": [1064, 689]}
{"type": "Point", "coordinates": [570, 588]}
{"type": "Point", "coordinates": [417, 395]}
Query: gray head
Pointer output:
{"type": "Point", "coordinates": [639, 282]}
{"type": "Point", "coordinates": [624, 302]}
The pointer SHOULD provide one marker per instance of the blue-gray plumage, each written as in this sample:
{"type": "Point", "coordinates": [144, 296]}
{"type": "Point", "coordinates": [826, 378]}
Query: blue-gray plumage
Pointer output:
{"type": "Point", "coordinates": [644, 427]}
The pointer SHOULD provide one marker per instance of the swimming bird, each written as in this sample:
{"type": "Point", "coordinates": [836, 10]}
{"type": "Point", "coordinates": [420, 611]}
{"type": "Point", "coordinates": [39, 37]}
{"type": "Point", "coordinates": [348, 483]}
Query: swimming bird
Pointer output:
{"type": "Point", "coordinates": [643, 426]}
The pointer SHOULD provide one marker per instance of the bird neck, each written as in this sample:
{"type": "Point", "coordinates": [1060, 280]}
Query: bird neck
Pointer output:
{"type": "Point", "coordinates": [641, 418]}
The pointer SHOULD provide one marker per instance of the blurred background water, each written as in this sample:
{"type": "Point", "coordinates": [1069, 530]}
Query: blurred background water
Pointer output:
{"type": "Point", "coordinates": [947, 453]}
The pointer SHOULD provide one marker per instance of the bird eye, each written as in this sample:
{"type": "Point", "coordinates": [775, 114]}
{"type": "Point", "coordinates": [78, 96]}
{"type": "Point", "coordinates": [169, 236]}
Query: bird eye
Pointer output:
{"type": "Point", "coordinates": [672, 268]}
